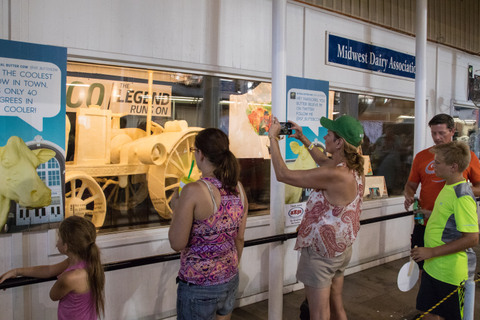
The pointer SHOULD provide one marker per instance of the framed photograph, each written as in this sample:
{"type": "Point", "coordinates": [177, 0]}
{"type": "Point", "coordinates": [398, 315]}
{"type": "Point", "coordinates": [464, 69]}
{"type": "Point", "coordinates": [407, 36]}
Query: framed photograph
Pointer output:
{"type": "Point", "coordinates": [375, 187]}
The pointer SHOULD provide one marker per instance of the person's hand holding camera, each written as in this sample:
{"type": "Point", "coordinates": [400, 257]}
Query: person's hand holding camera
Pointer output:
{"type": "Point", "coordinates": [274, 130]}
{"type": "Point", "coordinates": [298, 132]}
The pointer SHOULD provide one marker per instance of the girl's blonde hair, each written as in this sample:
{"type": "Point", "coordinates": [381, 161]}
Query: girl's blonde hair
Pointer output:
{"type": "Point", "coordinates": [79, 234]}
{"type": "Point", "coordinates": [454, 152]}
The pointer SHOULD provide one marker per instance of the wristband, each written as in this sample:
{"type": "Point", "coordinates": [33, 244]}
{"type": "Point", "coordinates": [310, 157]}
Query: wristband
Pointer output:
{"type": "Point", "coordinates": [311, 146]}
{"type": "Point", "coordinates": [276, 138]}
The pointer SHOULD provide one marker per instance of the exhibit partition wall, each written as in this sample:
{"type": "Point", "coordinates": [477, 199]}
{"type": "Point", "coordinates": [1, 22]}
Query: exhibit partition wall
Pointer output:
{"type": "Point", "coordinates": [137, 93]}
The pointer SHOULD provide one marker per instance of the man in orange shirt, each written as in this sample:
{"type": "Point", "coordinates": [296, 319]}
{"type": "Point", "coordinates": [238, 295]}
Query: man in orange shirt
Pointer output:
{"type": "Point", "coordinates": [442, 127]}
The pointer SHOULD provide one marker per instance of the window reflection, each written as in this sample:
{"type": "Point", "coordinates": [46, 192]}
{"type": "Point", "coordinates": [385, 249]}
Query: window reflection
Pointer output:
{"type": "Point", "coordinates": [107, 114]}
{"type": "Point", "coordinates": [118, 185]}
{"type": "Point", "coordinates": [388, 140]}
{"type": "Point", "coordinates": [466, 127]}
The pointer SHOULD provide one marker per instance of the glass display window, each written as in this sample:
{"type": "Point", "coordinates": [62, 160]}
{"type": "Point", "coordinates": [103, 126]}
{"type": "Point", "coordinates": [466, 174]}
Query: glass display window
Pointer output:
{"type": "Point", "coordinates": [466, 126]}
{"type": "Point", "coordinates": [126, 153]}
{"type": "Point", "coordinates": [389, 130]}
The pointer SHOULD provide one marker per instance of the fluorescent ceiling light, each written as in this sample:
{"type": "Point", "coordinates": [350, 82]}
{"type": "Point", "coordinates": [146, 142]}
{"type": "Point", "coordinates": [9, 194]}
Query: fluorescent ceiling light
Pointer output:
{"type": "Point", "coordinates": [78, 85]}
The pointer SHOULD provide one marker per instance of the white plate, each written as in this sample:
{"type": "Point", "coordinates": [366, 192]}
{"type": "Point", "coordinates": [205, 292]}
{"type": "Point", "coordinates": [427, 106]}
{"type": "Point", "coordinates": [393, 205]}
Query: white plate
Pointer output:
{"type": "Point", "coordinates": [408, 276]}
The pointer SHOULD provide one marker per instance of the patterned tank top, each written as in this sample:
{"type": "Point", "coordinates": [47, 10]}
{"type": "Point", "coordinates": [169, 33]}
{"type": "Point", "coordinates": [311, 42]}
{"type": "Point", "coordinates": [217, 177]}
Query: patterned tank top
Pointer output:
{"type": "Point", "coordinates": [327, 228]}
{"type": "Point", "coordinates": [210, 257]}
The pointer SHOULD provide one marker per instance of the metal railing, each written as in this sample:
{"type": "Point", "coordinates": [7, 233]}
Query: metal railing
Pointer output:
{"type": "Point", "coordinates": [22, 281]}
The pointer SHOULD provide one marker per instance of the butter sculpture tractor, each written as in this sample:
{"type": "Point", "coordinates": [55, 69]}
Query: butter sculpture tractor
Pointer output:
{"type": "Point", "coordinates": [119, 167]}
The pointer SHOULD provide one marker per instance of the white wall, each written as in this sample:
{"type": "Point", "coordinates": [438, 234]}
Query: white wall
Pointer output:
{"type": "Point", "coordinates": [446, 67]}
{"type": "Point", "coordinates": [228, 37]}
{"type": "Point", "coordinates": [149, 292]}
{"type": "Point", "coordinates": [319, 23]}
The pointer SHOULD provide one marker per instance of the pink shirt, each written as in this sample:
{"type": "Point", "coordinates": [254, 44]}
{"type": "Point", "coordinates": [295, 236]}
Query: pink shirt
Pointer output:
{"type": "Point", "coordinates": [77, 306]}
{"type": "Point", "coordinates": [210, 257]}
{"type": "Point", "coordinates": [327, 228]}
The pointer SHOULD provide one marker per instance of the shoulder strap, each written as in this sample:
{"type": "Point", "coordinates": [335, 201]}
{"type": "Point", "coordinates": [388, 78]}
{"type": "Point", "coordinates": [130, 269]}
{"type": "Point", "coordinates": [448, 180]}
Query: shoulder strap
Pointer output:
{"type": "Point", "coordinates": [211, 195]}
{"type": "Point", "coordinates": [240, 190]}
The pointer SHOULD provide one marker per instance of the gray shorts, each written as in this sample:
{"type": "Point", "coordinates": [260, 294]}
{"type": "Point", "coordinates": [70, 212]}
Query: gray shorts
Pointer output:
{"type": "Point", "coordinates": [317, 272]}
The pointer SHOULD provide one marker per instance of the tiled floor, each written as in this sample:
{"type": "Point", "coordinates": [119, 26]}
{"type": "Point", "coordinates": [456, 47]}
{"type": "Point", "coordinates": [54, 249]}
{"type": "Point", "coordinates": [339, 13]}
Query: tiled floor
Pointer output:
{"type": "Point", "coordinates": [368, 295]}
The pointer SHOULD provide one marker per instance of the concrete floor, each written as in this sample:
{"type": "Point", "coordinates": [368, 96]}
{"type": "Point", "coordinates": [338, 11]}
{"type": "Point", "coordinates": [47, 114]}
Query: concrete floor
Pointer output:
{"type": "Point", "coordinates": [368, 295]}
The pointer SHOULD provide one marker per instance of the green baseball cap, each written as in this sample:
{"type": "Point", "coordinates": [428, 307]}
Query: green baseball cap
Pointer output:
{"type": "Point", "coordinates": [346, 127]}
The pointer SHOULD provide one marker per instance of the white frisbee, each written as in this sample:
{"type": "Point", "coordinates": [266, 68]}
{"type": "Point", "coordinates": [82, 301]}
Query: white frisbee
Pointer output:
{"type": "Point", "coordinates": [408, 276]}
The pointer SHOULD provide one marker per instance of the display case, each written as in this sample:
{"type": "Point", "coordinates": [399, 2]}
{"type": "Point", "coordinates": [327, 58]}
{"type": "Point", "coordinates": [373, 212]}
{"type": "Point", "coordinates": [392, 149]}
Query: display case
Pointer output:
{"type": "Point", "coordinates": [126, 153]}
{"type": "Point", "coordinates": [129, 132]}
{"type": "Point", "coordinates": [389, 128]}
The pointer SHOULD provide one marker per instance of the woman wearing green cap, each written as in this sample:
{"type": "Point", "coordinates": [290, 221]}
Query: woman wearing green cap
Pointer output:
{"type": "Point", "coordinates": [332, 215]}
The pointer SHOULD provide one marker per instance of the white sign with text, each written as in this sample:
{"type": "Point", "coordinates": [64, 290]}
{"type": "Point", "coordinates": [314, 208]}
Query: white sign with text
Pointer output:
{"type": "Point", "coordinates": [306, 107]}
{"type": "Point", "coordinates": [29, 90]}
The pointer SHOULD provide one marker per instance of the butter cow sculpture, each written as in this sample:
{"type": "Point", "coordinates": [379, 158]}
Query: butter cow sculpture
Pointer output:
{"type": "Point", "coordinates": [19, 180]}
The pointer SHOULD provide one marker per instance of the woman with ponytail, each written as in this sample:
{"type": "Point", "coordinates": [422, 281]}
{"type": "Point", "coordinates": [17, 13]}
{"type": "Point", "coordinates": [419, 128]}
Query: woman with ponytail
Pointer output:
{"type": "Point", "coordinates": [332, 215]}
{"type": "Point", "coordinates": [80, 279]}
{"type": "Point", "coordinates": [208, 227]}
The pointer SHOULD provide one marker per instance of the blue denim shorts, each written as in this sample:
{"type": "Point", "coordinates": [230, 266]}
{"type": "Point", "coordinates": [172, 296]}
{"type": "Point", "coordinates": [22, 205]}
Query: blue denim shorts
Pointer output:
{"type": "Point", "coordinates": [204, 302]}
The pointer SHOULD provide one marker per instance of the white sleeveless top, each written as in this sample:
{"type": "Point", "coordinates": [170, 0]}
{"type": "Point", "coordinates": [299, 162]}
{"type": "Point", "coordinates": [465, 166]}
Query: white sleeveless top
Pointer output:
{"type": "Point", "coordinates": [327, 228]}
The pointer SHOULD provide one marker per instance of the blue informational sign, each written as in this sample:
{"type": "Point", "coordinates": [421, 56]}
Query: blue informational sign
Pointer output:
{"type": "Point", "coordinates": [32, 134]}
{"type": "Point", "coordinates": [366, 56]}
{"type": "Point", "coordinates": [32, 91]}
{"type": "Point", "coordinates": [307, 102]}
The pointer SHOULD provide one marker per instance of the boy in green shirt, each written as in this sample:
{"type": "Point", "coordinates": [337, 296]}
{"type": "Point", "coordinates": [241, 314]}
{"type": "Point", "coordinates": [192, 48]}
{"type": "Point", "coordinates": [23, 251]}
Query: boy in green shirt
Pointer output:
{"type": "Point", "coordinates": [451, 232]}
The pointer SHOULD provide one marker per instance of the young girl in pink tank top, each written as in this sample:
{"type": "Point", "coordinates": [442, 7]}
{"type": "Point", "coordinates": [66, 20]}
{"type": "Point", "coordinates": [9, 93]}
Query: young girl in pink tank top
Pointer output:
{"type": "Point", "coordinates": [80, 278]}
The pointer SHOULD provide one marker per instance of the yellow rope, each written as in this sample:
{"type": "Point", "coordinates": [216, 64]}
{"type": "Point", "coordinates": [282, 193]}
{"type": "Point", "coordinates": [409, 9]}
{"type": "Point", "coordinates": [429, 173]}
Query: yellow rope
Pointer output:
{"type": "Point", "coordinates": [443, 300]}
